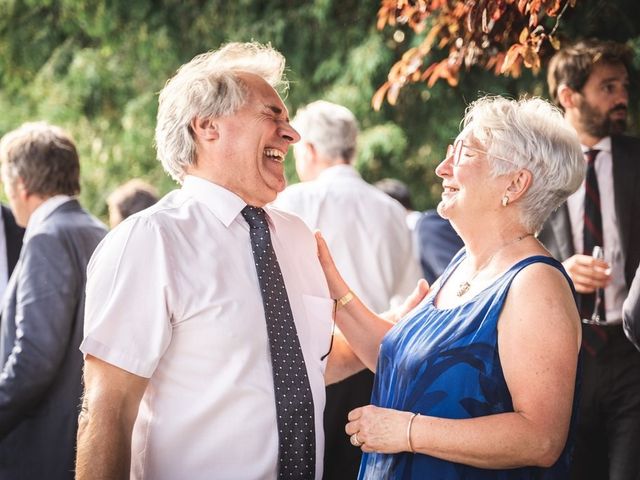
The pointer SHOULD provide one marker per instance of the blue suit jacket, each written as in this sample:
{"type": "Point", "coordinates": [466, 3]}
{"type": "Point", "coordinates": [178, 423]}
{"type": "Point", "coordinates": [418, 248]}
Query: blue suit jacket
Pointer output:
{"type": "Point", "coordinates": [438, 242]}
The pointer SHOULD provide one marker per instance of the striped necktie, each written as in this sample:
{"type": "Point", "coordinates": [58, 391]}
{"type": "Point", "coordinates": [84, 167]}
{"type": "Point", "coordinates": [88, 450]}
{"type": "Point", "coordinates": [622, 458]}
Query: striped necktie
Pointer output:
{"type": "Point", "coordinates": [594, 336]}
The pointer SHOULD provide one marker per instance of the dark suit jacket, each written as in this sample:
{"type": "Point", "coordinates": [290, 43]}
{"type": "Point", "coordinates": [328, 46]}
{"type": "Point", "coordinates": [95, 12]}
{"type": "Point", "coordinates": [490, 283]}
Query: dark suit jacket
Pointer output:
{"type": "Point", "coordinates": [13, 238]}
{"type": "Point", "coordinates": [40, 334]}
{"type": "Point", "coordinates": [438, 242]}
{"type": "Point", "coordinates": [556, 233]}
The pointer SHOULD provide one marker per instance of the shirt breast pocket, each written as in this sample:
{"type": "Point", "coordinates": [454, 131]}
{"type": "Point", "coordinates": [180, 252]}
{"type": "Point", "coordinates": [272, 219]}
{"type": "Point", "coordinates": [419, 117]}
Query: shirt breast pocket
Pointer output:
{"type": "Point", "coordinates": [319, 312]}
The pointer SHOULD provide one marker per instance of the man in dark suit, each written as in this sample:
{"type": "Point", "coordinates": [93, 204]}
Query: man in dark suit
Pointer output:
{"type": "Point", "coordinates": [11, 234]}
{"type": "Point", "coordinates": [589, 81]}
{"type": "Point", "coordinates": [42, 320]}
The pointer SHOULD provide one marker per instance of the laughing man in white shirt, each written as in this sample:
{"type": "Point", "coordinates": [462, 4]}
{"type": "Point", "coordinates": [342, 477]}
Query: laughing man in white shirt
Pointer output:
{"type": "Point", "coordinates": [178, 361]}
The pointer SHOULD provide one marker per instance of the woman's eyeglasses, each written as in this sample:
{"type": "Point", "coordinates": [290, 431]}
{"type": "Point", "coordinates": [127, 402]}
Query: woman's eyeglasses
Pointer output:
{"type": "Point", "coordinates": [455, 151]}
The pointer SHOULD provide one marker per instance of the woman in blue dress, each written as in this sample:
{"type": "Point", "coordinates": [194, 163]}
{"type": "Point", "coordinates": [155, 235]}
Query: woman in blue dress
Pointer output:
{"type": "Point", "coordinates": [479, 380]}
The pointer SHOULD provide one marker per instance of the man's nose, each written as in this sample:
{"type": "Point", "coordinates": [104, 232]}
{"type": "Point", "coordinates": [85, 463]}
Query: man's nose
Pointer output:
{"type": "Point", "coordinates": [290, 134]}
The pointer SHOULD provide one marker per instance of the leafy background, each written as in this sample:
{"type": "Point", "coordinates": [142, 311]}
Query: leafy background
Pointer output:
{"type": "Point", "coordinates": [96, 68]}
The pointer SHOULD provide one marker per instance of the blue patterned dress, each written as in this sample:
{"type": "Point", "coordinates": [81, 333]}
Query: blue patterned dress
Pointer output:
{"type": "Point", "coordinates": [445, 363]}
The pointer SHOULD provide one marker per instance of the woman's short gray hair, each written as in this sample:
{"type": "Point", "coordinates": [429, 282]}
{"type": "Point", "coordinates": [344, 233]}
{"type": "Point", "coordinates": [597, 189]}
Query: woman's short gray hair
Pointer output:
{"type": "Point", "coordinates": [332, 129]}
{"type": "Point", "coordinates": [209, 87]}
{"type": "Point", "coordinates": [532, 134]}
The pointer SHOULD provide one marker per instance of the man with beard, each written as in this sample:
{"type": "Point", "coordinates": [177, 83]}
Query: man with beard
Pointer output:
{"type": "Point", "coordinates": [590, 82]}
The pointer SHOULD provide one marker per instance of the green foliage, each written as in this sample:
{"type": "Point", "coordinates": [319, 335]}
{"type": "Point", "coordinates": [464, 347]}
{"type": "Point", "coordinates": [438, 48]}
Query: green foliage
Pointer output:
{"type": "Point", "coordinates": [96, 67]}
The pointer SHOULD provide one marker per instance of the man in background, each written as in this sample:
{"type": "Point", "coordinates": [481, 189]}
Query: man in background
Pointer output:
{"type": "Point", "coordinates": [129, 198]}
{"type": "Point", "coordinates": [589, 81]}
{"type": "Point", "coordinates": [42, 320]}
{"type": "Point", "coordinates": [368, 237]}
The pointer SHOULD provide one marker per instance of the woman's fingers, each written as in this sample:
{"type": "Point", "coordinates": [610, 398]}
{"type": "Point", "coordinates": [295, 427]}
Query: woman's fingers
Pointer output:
{"type": "Point", "coordinates": [337, 286]}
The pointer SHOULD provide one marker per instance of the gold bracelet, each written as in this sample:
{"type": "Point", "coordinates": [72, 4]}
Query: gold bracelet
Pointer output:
{"type": "Point", "coordinates": [409, 432]}
{"type": "Point", "coordinates": [342, 301]}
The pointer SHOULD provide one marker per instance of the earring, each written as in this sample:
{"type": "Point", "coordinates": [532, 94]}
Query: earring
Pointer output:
{"type": "Point", "coordinates": [505, 201]}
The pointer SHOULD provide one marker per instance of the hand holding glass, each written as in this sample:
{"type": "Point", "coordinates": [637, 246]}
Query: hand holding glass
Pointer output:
{"type": "Point", "coordinates": [598, 253]}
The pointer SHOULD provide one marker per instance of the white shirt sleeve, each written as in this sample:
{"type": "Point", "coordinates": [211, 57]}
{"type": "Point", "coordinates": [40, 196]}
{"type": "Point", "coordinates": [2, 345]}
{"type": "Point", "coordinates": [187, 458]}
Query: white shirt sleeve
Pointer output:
{"type": "Point", "coordinates": [129, 298]}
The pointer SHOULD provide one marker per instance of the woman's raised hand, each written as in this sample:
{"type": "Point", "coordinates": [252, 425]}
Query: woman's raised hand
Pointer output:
{"type": "Point", "coordinates": [337, 286]}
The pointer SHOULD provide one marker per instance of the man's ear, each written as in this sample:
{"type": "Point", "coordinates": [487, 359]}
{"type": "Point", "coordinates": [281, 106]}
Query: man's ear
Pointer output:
{"type": "Point", "coordinates": [567, 96]}
{"type": "Point", "coordinates": [20, 188]}
{"type": "Point", "coordinates": [310, 151]}
{"type": "Point", "coordinates": [205, 129]}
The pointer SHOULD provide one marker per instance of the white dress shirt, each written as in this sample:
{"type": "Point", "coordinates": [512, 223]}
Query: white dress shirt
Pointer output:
{"type": "Point", "coordinates": [616, 292]}
{"type": "Point", "coordinates": [173, 296]}
{"type": "Point", "coordinates": [365, 230]}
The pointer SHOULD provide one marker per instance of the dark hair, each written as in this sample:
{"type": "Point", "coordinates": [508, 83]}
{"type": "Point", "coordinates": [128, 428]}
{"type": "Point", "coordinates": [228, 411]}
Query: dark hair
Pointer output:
{"type": "Point", "coordinates": [44, 157]}
{"type": "Point", "coordinates": [132, 197]}
{"type": "Point", "coordinates": [572, 65]}
{"type": "Point", "coordinates": [397, 190]}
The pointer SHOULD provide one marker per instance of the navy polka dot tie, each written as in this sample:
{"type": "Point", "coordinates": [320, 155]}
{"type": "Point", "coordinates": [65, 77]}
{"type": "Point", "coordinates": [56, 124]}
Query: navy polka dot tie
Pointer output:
{"type": "Point", "coordinates": [294, 402]}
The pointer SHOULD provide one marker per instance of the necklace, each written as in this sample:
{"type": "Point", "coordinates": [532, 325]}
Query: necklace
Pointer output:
{"type": "Point", "coordinates": [466, 285]}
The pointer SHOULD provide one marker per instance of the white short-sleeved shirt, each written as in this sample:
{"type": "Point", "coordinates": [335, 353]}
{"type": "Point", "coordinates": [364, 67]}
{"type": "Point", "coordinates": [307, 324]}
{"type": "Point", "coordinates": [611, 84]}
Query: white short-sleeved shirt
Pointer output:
{"type": "Point", "coordinates": [173, 296]}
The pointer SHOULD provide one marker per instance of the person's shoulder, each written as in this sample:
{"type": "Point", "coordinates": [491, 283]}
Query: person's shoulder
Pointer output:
{"type": "Point", "coordinates": [543, 276]}
{"type": "Point", "coordinates": [69, 218]}
{"type": "Point", "coordinates": [626, 142]}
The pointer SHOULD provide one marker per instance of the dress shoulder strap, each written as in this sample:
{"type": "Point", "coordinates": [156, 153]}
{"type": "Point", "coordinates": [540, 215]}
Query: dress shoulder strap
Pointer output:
{"type": "Point", "coordinates": [525, 262]}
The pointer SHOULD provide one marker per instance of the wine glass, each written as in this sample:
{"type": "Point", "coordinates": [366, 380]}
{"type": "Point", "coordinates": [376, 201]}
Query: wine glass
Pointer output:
{"type": "Point", "coordinates": [598, 253]}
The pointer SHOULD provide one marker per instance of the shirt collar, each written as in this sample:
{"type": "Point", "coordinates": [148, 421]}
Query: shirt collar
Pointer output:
{"type": "Point", "coordinates": [43, 211]}
{"type": "Point", "coordinates": [604, 145]}
{"type": "Point", "coordinates": [340, 170]}
{"type": "Point", "coordinates": [223, 203]}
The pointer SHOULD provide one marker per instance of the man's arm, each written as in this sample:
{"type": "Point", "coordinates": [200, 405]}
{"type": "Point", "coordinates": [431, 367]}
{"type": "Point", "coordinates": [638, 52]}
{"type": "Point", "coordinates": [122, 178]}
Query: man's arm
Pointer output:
{"type": "Point", "coordinates": [109, 409]}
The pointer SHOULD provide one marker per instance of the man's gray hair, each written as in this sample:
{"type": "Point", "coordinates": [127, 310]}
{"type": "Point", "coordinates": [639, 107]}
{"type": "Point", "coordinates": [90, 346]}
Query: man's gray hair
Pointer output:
{"type": "Point", "coordinates": [332, 129]}
{"type": "Point", "coordinates": [533, 134]}
{"type": "Point", "coordinates": [209, 87]}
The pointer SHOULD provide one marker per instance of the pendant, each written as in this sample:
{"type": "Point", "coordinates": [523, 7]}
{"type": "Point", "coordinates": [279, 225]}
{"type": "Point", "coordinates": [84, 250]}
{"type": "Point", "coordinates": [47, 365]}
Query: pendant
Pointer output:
{"type": "Point", "coordinates": [463, 288]}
